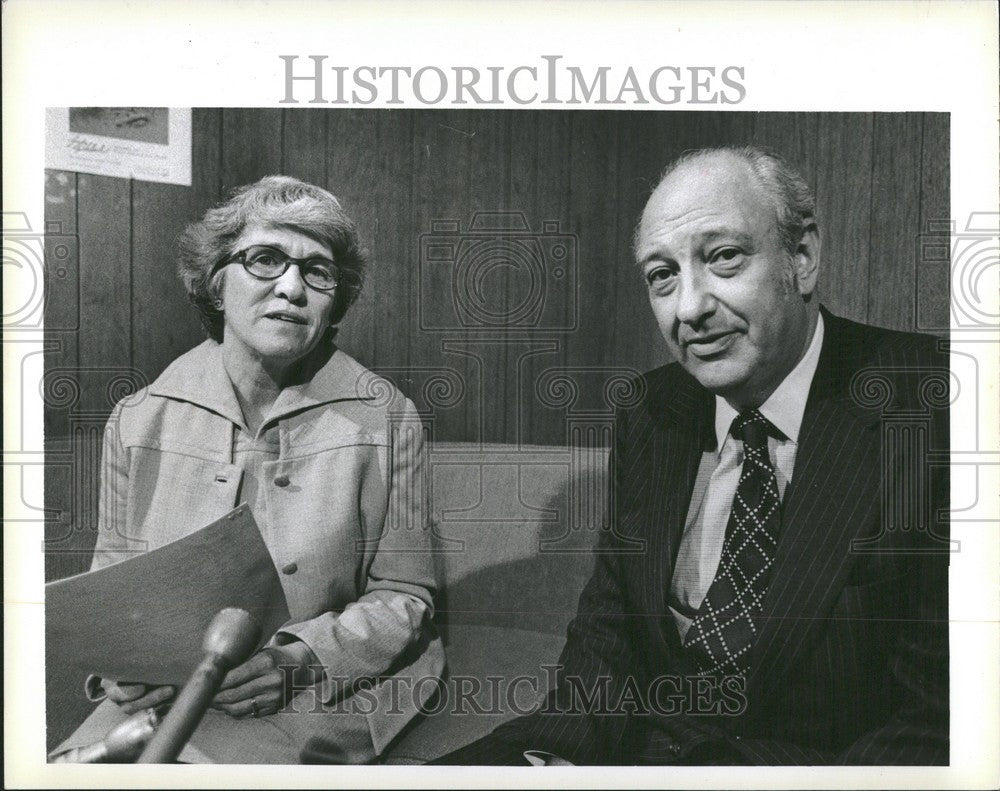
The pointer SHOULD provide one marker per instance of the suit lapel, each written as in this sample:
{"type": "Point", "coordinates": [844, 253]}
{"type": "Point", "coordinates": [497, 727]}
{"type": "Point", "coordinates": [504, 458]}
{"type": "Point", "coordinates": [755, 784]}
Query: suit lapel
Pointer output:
{"type": "Point", "coordinates": [672, 433]}
{"type": "Point", "coordinates": [833, 495]}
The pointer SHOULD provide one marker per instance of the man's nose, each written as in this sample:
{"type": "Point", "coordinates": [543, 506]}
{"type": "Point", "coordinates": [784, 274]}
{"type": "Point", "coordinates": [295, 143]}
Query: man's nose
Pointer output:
{"type": "Point", "coordinates": [695, 299]}
{"type": "Point", "coordinates": [290, 285]}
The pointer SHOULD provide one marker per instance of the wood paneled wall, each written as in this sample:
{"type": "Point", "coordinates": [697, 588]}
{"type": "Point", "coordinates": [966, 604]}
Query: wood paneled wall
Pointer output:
{"type": "Point", "coordinates": [116, 313]}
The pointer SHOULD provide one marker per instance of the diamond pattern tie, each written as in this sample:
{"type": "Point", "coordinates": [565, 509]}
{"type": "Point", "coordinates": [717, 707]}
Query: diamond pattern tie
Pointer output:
{"type": "Point", "coordinates": [722, 633]}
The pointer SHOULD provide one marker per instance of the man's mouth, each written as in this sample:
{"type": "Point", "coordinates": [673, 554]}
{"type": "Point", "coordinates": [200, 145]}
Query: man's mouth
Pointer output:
{"type": "Point", "coordinates": [710, 345]}
{"type": "Point", "coordinates": [280, 315]}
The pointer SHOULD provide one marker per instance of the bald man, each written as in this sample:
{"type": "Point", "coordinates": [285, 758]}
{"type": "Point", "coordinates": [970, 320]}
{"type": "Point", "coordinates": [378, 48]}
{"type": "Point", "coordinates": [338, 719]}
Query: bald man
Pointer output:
{"type": "Point", "coordinates": [789, 602]}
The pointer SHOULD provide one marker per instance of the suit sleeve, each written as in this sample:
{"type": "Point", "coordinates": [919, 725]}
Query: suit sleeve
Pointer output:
{"type": "Point", "coordinates": [394, 612]}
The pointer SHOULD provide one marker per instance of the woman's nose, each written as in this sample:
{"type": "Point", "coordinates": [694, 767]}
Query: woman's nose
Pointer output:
{"type": "Point", "coordinates": [291, 285]}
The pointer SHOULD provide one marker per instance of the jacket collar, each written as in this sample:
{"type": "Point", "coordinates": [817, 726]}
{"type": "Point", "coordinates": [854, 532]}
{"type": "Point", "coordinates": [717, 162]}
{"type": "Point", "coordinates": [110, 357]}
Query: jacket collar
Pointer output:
{"type": "Point", "coordinates": [199, 377]}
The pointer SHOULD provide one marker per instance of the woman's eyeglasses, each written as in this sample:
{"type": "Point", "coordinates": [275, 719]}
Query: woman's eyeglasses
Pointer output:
{"type": "Point", "coordinates": [270, 263]}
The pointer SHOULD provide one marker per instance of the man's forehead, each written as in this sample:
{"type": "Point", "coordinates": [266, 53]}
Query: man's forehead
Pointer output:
{"type": "Point", "coordinates": [718, 188]}
{"type": "Point", "coordinates": [709, 179]}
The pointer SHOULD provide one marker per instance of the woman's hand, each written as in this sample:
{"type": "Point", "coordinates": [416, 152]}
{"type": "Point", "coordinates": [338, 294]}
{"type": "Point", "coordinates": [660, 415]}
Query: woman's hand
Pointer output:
{"type": "Point", "coordinates": [136, 697]}
{"type": "Point", "coordinates": [267, 681]}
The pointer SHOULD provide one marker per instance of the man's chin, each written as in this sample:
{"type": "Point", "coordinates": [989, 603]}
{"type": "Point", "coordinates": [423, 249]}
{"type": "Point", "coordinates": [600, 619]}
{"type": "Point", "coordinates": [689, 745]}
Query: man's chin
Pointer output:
{"type": "Point", "coordinates": [720, 377]}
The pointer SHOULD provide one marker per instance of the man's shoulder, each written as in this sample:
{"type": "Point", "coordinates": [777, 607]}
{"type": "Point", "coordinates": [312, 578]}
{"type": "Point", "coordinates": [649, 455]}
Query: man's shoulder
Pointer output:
{"type": "Point", "coordinates": [880, 369]}
{"type": "Point", "coordinates": [867, 344]}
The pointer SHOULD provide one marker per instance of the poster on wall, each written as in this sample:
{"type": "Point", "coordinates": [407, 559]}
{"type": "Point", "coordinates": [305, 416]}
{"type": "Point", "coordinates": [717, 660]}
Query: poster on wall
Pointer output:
{"type": "Point", "coordinates": [146, 143]}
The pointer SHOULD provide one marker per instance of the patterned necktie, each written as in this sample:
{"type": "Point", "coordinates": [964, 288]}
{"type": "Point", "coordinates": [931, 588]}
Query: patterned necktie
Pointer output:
{"type": "Point", "coordinates": [722, 633]}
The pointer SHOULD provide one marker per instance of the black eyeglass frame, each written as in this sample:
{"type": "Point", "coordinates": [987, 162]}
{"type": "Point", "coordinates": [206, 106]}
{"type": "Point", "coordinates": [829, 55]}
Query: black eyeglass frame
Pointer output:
{"type": "Point", "coordinates": [242, 257]}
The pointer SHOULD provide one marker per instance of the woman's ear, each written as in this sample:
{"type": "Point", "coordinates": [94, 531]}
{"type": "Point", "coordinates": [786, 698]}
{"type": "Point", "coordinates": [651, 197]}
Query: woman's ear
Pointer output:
{"type": "Point", "coordinates": [215, 286]}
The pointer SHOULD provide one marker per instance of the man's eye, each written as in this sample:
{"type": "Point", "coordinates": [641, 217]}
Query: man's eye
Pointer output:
{"type": "Point", "coordinates": [660, 277]}
{"type": "Point", "coordinates": [725, 255]}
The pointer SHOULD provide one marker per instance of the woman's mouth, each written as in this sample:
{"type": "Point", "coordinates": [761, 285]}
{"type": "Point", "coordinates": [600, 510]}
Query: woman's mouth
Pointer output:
{"type": "Point", "coordinates": [286, 317]}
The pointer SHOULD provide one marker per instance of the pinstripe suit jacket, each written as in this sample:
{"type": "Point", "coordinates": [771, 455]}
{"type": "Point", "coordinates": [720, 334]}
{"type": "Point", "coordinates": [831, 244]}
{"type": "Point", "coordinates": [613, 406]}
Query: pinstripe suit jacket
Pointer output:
{"type": "Point", "coordinates": [851, 661]}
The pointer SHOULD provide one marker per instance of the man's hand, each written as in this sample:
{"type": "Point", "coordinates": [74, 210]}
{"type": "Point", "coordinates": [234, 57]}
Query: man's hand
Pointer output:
{"type": "Point", "coordinates": [136, 697]}
{"type": "Point", "coordinates": [267, 681]}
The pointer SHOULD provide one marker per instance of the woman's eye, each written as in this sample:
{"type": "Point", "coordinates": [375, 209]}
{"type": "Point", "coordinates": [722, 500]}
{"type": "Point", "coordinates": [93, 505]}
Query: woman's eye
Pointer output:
{"type": "Point", "coordinates": [264, 260]}
{"type": "Point", "coordinates": [322, 271]}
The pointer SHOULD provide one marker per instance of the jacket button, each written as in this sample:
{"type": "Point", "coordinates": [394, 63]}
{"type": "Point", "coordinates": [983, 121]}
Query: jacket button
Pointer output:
{"type": "Point", "coordinates": [289, 568]}
{"type": "Point", "coordinates": [281, 480]}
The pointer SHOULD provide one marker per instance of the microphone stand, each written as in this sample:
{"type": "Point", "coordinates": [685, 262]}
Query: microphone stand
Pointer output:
{"type": "Point", "coordinates": [121, 745]}
{"type": "Point", "coordinates": [229, 640]}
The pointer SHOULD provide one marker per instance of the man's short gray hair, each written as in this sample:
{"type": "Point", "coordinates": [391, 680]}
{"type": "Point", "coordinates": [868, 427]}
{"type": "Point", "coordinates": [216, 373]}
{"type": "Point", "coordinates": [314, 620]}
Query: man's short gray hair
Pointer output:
{"type": "Point", "coordinates": [794, 202]}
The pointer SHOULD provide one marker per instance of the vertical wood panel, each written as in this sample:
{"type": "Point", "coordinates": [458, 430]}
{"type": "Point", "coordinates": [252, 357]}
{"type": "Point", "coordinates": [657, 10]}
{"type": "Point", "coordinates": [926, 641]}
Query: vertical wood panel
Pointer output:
{"type": "Point", "coordinates": [792, 135]}
{"type": "Point", "coordinates": [164, 321]}
{"type": "Point", "coordinates": [394, 249]}
{"type": "Point", "coordinates": [106, 298]}
{"type": "Point", "coordinates": [206, 156]}
{"type": "Point", "coordinates": [352, 164]}
{"type": "Point", "coordinates": [895, 219]}
{"type": "Point", "coordinates": [441, 193]}
{"type": "Point", "coordinates": [62, 317]}
{"type": "Point", "coordinates": [304, 141]}
{"type": "Point", "coordinates": [165, 324]}
{"type": "Point", "coordinates": [540, 187]}
{"type": "Point", "coordinates": [933, 283]}
{"type": "Point", "coordinates": [593, 204]}
{"type": "Point", "coordinates": [251, 146]}
{"type": "Point", "coordinates": [104, 226]}
{"type": "Point", "coordinates": [844, 209]}
{"type": "Point", "coordinates": [505, 286]}
{"type": "Point", "coordinates": [62, 292]}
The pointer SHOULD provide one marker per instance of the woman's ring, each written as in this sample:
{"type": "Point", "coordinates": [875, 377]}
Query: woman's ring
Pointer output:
{"type": "Point", "coordinates": [254, 711]}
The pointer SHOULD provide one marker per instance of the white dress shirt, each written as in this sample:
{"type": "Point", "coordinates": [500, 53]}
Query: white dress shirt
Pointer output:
{"type": "Point", "coordinates": [719, 475]}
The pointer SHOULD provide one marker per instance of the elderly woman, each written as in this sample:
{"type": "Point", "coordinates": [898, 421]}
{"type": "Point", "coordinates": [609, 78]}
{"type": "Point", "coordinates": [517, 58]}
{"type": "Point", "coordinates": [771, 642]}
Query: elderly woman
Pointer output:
{"type": "Point", "coordinates": [269, 412]}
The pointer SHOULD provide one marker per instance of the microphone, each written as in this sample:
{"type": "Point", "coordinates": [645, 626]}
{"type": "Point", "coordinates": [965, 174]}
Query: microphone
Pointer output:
{"type": "Point", "coordinates": [229, 640]}
{"type": "Point", "coordinates": [120, 746]}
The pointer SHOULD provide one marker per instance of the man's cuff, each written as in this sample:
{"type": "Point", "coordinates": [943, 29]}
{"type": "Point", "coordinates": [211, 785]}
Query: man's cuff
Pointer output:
{"type": "Point", "coordinates": [93, 690]}
{"type": "Point", "coordinates": [542, 758]}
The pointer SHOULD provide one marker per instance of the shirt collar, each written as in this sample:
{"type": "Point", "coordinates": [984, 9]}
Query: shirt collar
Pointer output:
{"type": "Point", "coordinates": [199, 377]}
{"type": "Point", "coordinates": [786, 405]}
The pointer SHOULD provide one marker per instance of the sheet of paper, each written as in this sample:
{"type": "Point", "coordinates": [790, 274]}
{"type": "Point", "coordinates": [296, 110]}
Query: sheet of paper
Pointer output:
{"type": "Point", "coordinates": [144, 619]}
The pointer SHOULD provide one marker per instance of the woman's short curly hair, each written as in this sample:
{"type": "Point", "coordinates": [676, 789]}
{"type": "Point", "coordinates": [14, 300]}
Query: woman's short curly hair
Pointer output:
{"type": "Point", "coordinates": [280, 201]}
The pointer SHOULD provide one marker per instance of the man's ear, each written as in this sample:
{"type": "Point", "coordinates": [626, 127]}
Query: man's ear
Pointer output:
{"type": "Point", "coordinates": [807, 259]}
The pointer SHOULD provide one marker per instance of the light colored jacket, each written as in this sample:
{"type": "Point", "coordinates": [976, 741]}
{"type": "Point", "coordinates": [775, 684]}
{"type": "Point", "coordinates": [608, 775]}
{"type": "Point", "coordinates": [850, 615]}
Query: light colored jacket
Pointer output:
{"type": "Point", "coordinates": [347, 517]}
